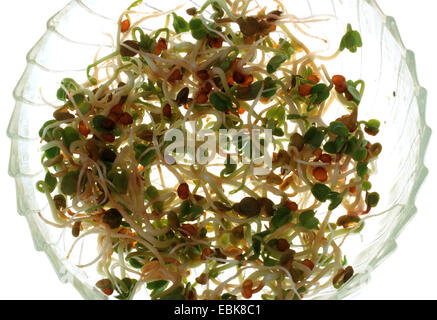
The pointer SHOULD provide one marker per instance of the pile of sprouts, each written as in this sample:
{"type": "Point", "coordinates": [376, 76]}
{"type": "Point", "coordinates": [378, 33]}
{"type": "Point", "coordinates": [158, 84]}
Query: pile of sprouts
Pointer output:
{"type": "Point", "coordinates": [185, 230]}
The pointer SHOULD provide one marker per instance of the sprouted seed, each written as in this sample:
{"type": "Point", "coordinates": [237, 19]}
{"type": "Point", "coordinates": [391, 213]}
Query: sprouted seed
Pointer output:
{"type": "Point", "coordinates": [213, 230]}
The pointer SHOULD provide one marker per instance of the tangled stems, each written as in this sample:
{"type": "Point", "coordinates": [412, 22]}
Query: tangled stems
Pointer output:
{"type": "Point", "coordinates": [217, 230]}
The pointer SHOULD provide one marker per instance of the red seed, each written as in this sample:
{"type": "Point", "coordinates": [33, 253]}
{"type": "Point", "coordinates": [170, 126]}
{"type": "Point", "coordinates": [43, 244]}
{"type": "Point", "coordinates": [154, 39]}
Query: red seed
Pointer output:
{"type": "Point", "coordinates": [202, 75]}
{"type": "Point", "coordinates": [125, 25]}
{"type": "Point", "coordinates": [202, 98]}
{"type": "Point", "coordinates": [126, 119]}
{"type": "Point", "coordinates": [175, 76]}
{"type": "Point", "coordinates": [326, 158]}
{"type": "Point", "coordinates": [305, 89]}
{"type": "Point", "coordinates": [108, 137]}
{"type": "Point", "coordinates": [108, 291]}
{"type": "Point", "coordinates": [320, 174]}
{"type": "Point", "coordinates": [117, 110]}
{"type": "Point", "coordinates": [338, 80]}
{"type": "Point", "coordinates": [183, 191]}
{"type": "Point", "coordinates": [161, 45]}
{"type": "Point", "coordinates": [341, 88]}
{"type": "Point", "coordinates": [282, 245]}
{"type": "Point", "coordinates": [314, 78]}
{"type": "Point", "coordinates": [246, 289]}
{"type": "Point", "coordinates": [189, 229]}
{"type": "Point", "coordinates": [238, 77]}
{"type": "Point", "coordinates": [292, 206]}
{"type": "Point", "coordinates": [308, 263]}
{"type": "Point", "coordinates": [206, 253]}
{"type": "Point", "coordinates": [215, 43]}
{"type": "Point", "coordinates": [166, 111]}
{"type": "Point", "coordinates": [83, 129]}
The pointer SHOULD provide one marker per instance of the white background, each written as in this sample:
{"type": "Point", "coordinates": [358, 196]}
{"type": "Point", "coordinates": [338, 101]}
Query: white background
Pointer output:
{"type": "Point", "coordinates": [26, 274]}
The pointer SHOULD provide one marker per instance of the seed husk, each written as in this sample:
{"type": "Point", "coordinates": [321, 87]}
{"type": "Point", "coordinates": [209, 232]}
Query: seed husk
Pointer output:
{"type": "Point", "coordinates": [183, 191]}
{"type": "Point", "coordinates": [266, 207]}
{"type": "Point", "coordinates": [238, 232]}
{"type": "Point", "coordinates": [62, 114]}
{"type": "Point", "coordinates": [296, 140]}
{"type": "Point", "coordinates": [342, 276]}
{"type": "Point", "coordinates": [249, 26]}
{"type": "Point", "coordinates": [347, 221]}
{"type": "Point", "coordinates": [60, 202]}
{"type": "Point", "coordinates": [192, 11]}
{"type": "Point", "coordinates": [282, 245]}
{"type": "Point", "coordinates": [75, 231]}
{"type": "Point", "coordinates": [126, 49]}
{"type": "Point", "coordinates": [221, 206]}
{"type": "Point", "coordinates": [108, 155]}
{"type": "Point", "coordinates": [112, 218]}
{"type": "Point", "coordinates": [182, 97]}
{"type": "Point", "coordinates": [248, 207]}
{"type": "Point", "coordinates": [173, 221]}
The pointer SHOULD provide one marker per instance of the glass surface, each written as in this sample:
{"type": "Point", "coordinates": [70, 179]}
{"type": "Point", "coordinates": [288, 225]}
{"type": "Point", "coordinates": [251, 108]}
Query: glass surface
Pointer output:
{"type": "Point", "coordinates": [393, 95]}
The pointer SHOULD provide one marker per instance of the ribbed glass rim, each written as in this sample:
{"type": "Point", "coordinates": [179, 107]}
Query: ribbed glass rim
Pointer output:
{"type": "Point", "coordinates": [88, 292]}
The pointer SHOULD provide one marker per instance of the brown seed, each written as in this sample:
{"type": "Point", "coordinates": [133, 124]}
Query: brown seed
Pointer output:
{"type": "Point", "coordinates": [348, 96]}
{"type": "Point", "coordinates": [202, 75]}
{"type": "Point", "coordinates": [202, 98]}
{"type": "Point", "coordinates": [183, 191]}
{"type": "Point", "coordinates": [201, 279]}
{"type": "Point", "coordinates": [145, 134]}
{"type": "Point", "coordinates": [60, 202]}
{"type": "Point", "coordinates": [375, 149]}
{"type": "Point", "coordinates": [129, 48]}
{"type": "Point", "coordinates": [112, 218]}
{"type": "Point", "coordinates": [192, 11]}
{"type": "Point", "coordinates": [249, 26]}
{"type": "Point", "coordinates": [221, 206]}
{"type": "Point", "coordinates": [273, 178]}
{"type": "Point", "coordinates": [347, 221]}
{"type": "Point", "coordinates": [287, 258]}
{"type": "Point", "coordinates": [246, 289]}
{"type": "Point", "coordinates": [238, 77]}
{"type": "Point", "coordinates": [62, 114]}
{"type": "Point", "coordinates": [108, 124]}
{"type": "Point", "coordinates": [126, 119]}
{"type": "Point", "coordinates": [75, 231]}
{"type": "Point", "coordinates": [182, 96]}
{"type": "Point", "coordinates": [296, 140]}
{"type": "Point", "coordinates": [173, 220]}
{"type": "Point", "coordinates": [308, 263]}
{"type": "Point", "coordinates": [160, 46]}
{"type": "Point", "coordinates": [266, 207]}
{"type": "Point", "coordinates": [326, 158]}
{"type": "Point", "coordinates": [166, 111]}
{"type": "Point", "coordinates": [108, 137]}
{"type": "Point", "coordinates": [338, 80]}
{"type": "Point", "coordinates": [104, 284]}
{"type": "Point", "coordinates": [341, 88]}
{"type": "Point", "coordinates": [176, 75]}
{"type": "Point", "coordinates": [207, 252]}
{"type": "Point", "coordinates": [248, 207]}
{"type": "Point", "coordinates": [189, 229]}
{"type": "Point", "coordinates": [83, 129]}
{"type": "Point", "coordinates": [117, 110]}
{"type": "Point", "coordinates": [292, 206]}
{"type": "Point", "coordinates": [215, 43]}
{"type": "Point", "coordinates": [92, 149]}
{"type": "Point", "coordinates": [283, 157]}
{"type": "Point", "coordinates": [274, 15]}
{"type": "Point", "coordinates": [342, 276]}
{"type": "Point", "coordinates": [282, 245]}
{"type": "Point", "coordinates": [238, 232]}
{"type": "Point", "coordinates": [206, 88]}
{"type": "Point", "coordinates": [320, 174]}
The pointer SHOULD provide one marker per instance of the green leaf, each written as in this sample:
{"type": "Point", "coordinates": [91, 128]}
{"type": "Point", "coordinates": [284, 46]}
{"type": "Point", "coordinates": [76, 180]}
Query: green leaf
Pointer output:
{"type": "Point", "coordinates": [339, 129]}
{"type": "Point", "coordinates": [52, 152]}
{"type": "Point", "coordinates": [314, 137]}
{"type": "Point", "coordinates": [69, 135]}
{"type": "Point", "coordinates": [362, 169]}
{"type": "Point", "coordinates": [281, 216]}
{"type": "Point", "coordinates": [248, 93]}
{"type": "Point", "coordinates": [351, 40]}
{"type": "Point", "coordinates": [336, 199]}
{"type": "Point", "coordinates": [372, 199]}
{"type": "Point", "coordinates": [220, 101]}
{"type": "Point", "coordinates": [307, 220]}
{"type": "Point", "coordinates": [198, 30]}
{"type": "Point", "coordinates": [359, 154]}
{"type": "Point", "coordinates": [146, 159]}
{"type": "Point", "coordinates": [175, 294]}
{"type": "Point", "coordinates": [120, 180]}
{"type": "Point", "coordinates": [270, 88]}
{"type": "Point", "coordinates": [277, 113]}
{"type": "Point", "coordinates": [321, 192]}
{"type": "Point", "coordinates": [146, 43]}
{"type": "Point", "coordinates": [157, 284]}
{"type": "Point", "coordinates": [51, 182]}
{"type": "Point", "coordinates": [69, 183]}
{"type": "Point", "coordinates": [49, 133]}
{"type": "Point", "coordinates": [285, 48]}
{"type": "Point", "coordinates": [126, 288]}
{"type": "Point", "coordinates": [179, 24]}
{"type": "Point", "coordinates": [319, 93]}
{"type": "Point", "coordinates": [276, 62]}
{"type": "Point", "coordinates": [351, 88]}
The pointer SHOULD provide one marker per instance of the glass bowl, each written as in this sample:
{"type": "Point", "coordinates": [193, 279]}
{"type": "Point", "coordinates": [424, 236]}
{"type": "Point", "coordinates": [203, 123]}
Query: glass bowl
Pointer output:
{"type": "Point", "coordinates": [393, 95]}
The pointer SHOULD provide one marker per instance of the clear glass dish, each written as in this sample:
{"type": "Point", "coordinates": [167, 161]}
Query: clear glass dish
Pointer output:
{"type": "Point", "coordinates": [393, 95]}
